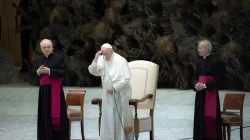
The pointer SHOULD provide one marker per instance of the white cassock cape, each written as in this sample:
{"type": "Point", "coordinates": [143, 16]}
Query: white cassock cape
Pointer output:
{"type": "Point", "coordinates": [117, 119]}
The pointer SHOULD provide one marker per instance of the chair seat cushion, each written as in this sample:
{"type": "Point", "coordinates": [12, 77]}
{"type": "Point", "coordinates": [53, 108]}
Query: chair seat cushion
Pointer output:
{"type": "Point", "coordinates": [230, 118]}
{"type": "Point", "coordinates": [74, 114]}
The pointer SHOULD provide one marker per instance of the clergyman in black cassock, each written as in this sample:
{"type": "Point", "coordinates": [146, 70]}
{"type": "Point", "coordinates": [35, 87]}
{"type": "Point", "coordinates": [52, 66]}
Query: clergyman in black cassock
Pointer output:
{"type": "Point", "coordinates": [52, 114]}
{"type": "Point", "coordinates": [209, 75]}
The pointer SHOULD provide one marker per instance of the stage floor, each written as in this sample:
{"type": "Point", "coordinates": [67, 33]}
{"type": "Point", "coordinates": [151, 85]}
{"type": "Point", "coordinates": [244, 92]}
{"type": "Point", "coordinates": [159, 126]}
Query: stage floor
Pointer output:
{"type": "Point", "coordinates": [173, 114]}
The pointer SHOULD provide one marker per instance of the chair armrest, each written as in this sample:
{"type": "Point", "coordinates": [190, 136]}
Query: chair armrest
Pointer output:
{"type": "Point", "coordinates": [97, 101]}
{"type": "Point", "coordinates": [136, 101]}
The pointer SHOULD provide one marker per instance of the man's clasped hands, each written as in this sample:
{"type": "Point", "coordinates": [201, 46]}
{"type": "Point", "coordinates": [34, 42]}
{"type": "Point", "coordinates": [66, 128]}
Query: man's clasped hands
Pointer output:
{"type": "Point", "coordinates": [199, 86]}
{"type": "Point", "coordinates": [44, 70]}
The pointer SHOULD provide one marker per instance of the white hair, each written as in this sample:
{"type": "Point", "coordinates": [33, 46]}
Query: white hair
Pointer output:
{"type": "Point", "coordinates": [206, 44]}
{"type": "Point", "coordinates": [46, 41]}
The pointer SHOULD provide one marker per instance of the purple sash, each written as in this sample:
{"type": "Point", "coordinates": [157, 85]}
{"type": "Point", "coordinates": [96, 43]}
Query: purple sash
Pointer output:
{"type": "Point", "coordinates": [210, 109]}
{"type": "Point", "coordinates": [55, 98]}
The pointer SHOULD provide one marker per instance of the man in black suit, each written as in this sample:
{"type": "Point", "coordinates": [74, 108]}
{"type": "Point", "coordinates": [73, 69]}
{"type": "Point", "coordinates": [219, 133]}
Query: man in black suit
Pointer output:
{"type": "Point", "coordinates": [52, 113]}
{"type": "Point", "coordinates": [209, 75]}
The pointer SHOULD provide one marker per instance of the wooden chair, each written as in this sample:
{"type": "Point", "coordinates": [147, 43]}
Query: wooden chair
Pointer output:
{"type": "Point", "coordinates": [76, 98]}
{"type": "Point", "coordinates": [144, 84]}
{"type": "Point", "coordinates": [229, 118]}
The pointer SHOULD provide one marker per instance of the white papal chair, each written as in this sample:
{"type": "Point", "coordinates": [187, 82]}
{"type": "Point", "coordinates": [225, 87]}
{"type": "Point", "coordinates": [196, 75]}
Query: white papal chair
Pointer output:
{"type": "Point", "coordinates": [144, 84]}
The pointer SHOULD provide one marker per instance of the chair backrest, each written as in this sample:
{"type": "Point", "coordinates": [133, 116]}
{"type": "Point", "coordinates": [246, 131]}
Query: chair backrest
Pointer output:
{"type": "Point", "coordinates": [234, 101]}
{"type": "Point", "coordinates": [75, 98]}
{"type": "Point", "coordinates": [144, 81]}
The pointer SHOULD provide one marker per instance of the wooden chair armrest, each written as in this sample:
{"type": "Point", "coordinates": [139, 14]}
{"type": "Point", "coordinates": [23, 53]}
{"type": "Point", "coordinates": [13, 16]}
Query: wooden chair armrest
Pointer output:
{"type": "Point", "coordinates": [136, 101]}
{"type": "Point", "coordinates": [97, 101]}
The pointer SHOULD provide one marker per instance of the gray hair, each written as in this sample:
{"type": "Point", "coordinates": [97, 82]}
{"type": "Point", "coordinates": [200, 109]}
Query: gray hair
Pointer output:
{"type": "Point", "coordinates": [206, 44]}
{"type": "Point", "coordinates": [46, 41]}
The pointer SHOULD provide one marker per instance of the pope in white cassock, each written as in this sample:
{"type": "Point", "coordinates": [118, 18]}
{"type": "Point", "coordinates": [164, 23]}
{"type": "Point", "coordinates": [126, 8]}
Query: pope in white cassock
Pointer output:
{"type": "Point", "coordinates": [117, 119]}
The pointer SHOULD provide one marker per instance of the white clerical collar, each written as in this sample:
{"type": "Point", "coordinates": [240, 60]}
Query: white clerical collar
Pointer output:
{"type": "Point", "coordinates": [205, 56]}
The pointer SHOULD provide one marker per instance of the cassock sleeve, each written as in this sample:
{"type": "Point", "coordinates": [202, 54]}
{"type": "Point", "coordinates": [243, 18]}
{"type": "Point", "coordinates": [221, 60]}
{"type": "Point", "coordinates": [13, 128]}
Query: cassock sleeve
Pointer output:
{"type": "Point", "coordinates": [93, 69]}
{"type": "Point", "coordinates": [196, 75]}
{"type": "Point", "coordinates": [126, 76]}
{"type": "Point", "coordinates": [35, 68]}
{"type": "Point", "coordinates": [96, 67]}
{"type": "Point", "coordinates": [219, 77]}
{"type": "Point", "coordinates": [59, 71]}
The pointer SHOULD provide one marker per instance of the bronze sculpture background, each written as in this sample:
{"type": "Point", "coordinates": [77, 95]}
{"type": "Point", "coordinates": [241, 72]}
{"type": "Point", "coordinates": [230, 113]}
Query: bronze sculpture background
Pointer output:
{"type": "Point", "coordinates": [162, 31]}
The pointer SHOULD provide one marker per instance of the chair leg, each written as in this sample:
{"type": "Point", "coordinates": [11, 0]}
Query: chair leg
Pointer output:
{"type": "Point", "coordinates": [136, 136]}
{"type": "Point", "coordinates": [151, 135]}
{"type": "Point", "coordinates": [229, 132]}
{"type": "Point", "coordinates": [241, 132]}
{"type": "Point", "coordinates": [82, 130]}
{"type": "Point", "coordinates": [99, 125]}
{"type": "Point", "coordinates": [224, 132]}
{"type": "Point", "coordinates": [69, 129]}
